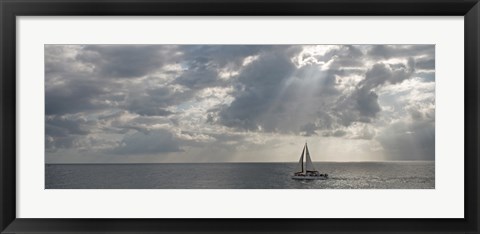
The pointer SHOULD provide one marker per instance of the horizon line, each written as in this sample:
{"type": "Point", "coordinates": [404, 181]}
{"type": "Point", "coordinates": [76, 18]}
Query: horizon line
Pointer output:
{"type": "Point", "coordinates": [367, 161]}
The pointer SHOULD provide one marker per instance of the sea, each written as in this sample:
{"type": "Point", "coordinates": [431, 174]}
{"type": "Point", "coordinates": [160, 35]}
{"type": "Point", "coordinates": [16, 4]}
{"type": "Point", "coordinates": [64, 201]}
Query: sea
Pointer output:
{"type": "Point", "coordinates": [342, 175]}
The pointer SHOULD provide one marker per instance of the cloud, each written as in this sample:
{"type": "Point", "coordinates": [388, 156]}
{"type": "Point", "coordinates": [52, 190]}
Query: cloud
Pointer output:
{"type": "Point", "coordinates": [155, 142]}
{"type": "Point", "coordinates": [309, 129]}
{"type": "Point", "coordinates": [203, 64]}
{"type": "Point", "coordinates": [259, 83]}
{"type": "Point", "coordinates": [120, 61]}
{"type": "Point", "coordinates": [362, 104]}
{"type": "Point", "coordinates": [121, 100]}
{"type": "Point", "coordinates": [400, 51]}
{"type": "Point", "coordinates": [409, 141]}
{"type": "Point", "coordinates": [61, 132]}
{"type": "Point", "coordinates": [425, 64]}
{"type": "Point", "coordinates": [73, 97]}
{"type": "Point", "coordinates": [336, 133]}
{"type": "Point", "coordinates": [272, 88]}
{"type": "Point", "coordinates": [231, 56]}
{"type": "Point", "coordinates": [382, 73]}
{"type": "Point", "coordinates": [197, 77]}
{"type": "Point", "coordinates": [365, 133]}
{"type": "Point", "coordinates": [63, 125]}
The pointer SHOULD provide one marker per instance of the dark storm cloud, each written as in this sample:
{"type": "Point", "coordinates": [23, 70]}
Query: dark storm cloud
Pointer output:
{"type": "Point", "coordinates": [260, 81]}
{"type": "Point", "coordinates": [73, 87]}
{"type": "Point", "coordinates": [154, 101]}
{"type": "Point", "coordinates": [201, 66]}
{"type": "Point", "coordinates": [147, 106]}
{"type": "Point", "coordinates": [199, 77]}
{"type": "Point", "coordinates": [73, 96]}
{"type": "Point", "coordinates": [60, 126]}
{"type": "Point", "coordinates": [362, 104]}
{"type": "Point", "coordinates": [309, 129]}
{"type": "Point", "coordinates": [120, 61]}
{"type": "Point", "coordinates": [82, 91]}
{"type": "Point", "coordinates": [381, 73]}
{"type": "Point", "coordinates": [204, 62]}
{"type": "Point", "coordinates": [264, 103]}
{"type": "Point", "coordinates": [61, 132]}
{"type": "Point", "coordinates": [230, 56]}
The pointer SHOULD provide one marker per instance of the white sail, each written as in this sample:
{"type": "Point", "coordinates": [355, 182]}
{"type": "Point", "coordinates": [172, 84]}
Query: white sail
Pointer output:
{"type": "Point", "coordinates": [300, 167]}
{"type": "Point", "coordinates": [309, 163]}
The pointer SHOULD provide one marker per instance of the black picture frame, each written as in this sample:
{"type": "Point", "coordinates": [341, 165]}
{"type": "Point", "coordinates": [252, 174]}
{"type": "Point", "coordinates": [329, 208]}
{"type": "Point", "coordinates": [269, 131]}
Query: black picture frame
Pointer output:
{"type": "Point", "coordinates": [10, 9]}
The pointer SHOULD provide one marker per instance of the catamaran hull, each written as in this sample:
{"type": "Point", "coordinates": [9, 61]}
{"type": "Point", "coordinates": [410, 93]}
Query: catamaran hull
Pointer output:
{"type": "Point", "coordinates": [309, 177]}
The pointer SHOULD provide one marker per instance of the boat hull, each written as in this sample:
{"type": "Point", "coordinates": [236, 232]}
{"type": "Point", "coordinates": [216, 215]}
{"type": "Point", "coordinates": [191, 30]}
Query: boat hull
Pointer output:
{"type": "Point", "coordinates": [301, 177]}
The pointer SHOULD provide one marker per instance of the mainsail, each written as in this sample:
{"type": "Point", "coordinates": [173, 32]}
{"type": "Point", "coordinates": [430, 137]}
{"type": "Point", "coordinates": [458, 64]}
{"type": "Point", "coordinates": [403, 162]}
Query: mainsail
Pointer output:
{"type": "Point", "coordinates": [309, 164]}
{"type": "Point", "coordinates": [306, 170]}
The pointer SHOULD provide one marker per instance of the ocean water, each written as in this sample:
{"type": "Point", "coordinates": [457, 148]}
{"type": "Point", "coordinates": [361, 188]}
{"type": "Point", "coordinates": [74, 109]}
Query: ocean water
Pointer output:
{"type": "Point", "coordinates": [342, 175]}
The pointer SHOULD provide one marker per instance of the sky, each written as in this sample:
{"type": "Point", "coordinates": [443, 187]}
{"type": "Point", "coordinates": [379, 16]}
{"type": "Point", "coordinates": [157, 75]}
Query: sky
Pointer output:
{"type": "Point", "coordinates": [238, 103]}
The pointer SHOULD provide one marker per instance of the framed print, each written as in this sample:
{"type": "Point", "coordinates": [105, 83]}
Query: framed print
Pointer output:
{"type": "Point", "coordinates": [252, 117]}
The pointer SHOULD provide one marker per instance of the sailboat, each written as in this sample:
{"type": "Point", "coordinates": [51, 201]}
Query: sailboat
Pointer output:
{"type": "Point", "coordinates": [306, 171]}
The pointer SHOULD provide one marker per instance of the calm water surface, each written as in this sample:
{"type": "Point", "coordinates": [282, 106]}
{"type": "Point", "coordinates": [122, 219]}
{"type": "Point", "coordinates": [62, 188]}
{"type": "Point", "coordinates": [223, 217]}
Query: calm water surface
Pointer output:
{"type": "Point", "coordinates": [351, 175]}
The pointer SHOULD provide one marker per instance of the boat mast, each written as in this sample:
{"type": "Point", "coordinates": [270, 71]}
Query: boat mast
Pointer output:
{"type": "Point", "coordinates": [305, 149]}
{"type": "Point", "coordinates": [303, 153]}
